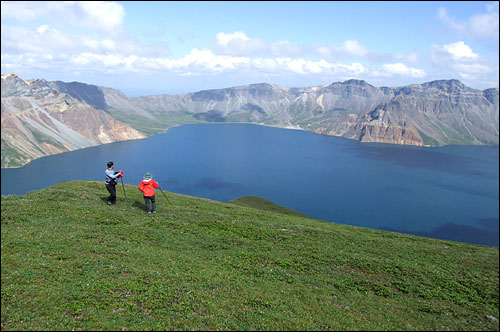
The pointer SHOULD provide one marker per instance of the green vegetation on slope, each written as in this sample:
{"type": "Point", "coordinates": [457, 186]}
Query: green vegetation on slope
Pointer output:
{"type": "Point", "coordinates": [11, 157]}
{"type": "Point", "coordinates": [160, 124]}
{"type": "Point", "coordinates": [263, 204]}
{"type": "Point", "coordinates": [71, 262]}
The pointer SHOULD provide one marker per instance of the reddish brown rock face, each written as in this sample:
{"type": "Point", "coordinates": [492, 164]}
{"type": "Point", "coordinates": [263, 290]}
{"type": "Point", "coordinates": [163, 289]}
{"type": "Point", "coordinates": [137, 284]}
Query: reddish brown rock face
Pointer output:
{"type": "Point", "coordinates": [368, 132]}
{"type": "Point", "coordinates": [39, 121]}
{"type": "Point", "coordinates": [389, 134]}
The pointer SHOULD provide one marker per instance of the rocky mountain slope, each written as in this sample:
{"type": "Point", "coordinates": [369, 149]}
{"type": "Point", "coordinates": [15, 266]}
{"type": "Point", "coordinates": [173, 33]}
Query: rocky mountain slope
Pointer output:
{"type": "Point", "coordinates": [434, 113]}
{"type": "Point", "coordinates": [38, 120]}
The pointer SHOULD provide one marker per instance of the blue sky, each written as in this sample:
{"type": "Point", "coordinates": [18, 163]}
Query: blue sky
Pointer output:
{"type": "Point", "coordinates": [144, 48]}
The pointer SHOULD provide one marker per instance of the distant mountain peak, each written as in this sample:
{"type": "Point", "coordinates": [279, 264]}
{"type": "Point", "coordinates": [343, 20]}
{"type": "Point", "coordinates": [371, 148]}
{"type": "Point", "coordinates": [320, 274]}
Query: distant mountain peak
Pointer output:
{"type": "Point", "coordinates": [262, 85]}
{"type": "Point", "coordinates": [446, 84]}
{"type": "Point", "coordinates": [354, 81]}
{"type": "Point", "coordinates": [4, 76]}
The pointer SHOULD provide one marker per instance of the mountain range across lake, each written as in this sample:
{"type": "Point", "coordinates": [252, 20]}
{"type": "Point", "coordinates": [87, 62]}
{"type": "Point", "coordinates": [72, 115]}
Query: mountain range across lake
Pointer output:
{"type": "Point", "coordinates": [42, 117]}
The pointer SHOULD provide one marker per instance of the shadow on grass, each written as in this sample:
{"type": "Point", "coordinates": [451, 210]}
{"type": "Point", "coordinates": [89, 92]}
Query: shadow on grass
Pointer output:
{"type": "Point", "coordinates": [139, 204]}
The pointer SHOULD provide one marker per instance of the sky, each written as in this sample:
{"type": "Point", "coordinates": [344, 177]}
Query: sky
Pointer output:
{"type": "Point", "coordinates": [167, 47]}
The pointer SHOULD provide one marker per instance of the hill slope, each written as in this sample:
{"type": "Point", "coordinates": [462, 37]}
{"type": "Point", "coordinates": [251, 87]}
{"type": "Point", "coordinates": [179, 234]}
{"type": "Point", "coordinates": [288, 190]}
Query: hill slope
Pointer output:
{"type": "Point", "coordinates": [69, 261]}
{"type": "Point", "coordinates": [263, 204]}
{"type": "Point", "coordinates": [38, 120]}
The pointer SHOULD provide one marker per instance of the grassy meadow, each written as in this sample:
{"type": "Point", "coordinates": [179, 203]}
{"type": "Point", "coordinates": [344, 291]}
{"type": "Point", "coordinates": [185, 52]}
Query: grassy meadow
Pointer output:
{"type": "Point", "coordinates": [71, 262]}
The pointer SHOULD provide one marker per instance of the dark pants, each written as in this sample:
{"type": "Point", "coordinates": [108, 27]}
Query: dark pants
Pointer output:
{"type": "Point", "coordinates": [112, 191]}
{"type": "Point", "coordinates": [153, 200]}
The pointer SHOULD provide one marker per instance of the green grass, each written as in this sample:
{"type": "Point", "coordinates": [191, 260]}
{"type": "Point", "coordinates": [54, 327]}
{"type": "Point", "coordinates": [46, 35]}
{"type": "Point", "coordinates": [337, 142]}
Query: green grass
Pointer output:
{"type": "Point", "coordinates": [160, 124]}
{"type": "Point", "coordinates": [71, 262]}
{"type": "Point", "coordinates": [263, 204]}
{"type": "Point", "coordinates": [42, 138]}
{"type": "Point", "coordinates": [10, 156]}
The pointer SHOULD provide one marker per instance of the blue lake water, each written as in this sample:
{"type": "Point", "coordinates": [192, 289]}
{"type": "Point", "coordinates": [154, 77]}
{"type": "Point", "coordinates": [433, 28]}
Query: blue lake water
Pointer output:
{"type": "Point", "coordinates": [449, 192]}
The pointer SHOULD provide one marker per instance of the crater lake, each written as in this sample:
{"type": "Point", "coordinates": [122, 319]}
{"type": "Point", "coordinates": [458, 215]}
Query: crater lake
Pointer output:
{"type": "Point", "coordinates": [449, 192]}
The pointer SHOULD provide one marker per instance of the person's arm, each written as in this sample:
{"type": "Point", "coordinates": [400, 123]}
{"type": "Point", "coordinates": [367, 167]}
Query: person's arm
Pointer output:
{"type": "Point", "coordinates": [112, 174]}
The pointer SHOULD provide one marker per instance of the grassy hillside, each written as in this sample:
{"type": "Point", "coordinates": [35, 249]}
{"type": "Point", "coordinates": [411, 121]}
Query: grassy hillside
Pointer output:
{"type": "Point", "coordinates": [263, 204]}
{"type": "Point", "coordinates": [71, 262]}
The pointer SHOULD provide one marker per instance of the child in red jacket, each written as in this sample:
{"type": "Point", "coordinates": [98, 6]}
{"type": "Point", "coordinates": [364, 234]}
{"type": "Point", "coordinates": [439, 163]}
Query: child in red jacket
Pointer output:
{"type": "Point", "coordinates": [148, 186]}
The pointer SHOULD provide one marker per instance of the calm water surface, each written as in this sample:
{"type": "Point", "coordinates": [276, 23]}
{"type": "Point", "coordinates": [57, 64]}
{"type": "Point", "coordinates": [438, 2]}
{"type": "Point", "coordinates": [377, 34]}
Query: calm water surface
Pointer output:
{"type": "Point", "coordinates": [449, 192]}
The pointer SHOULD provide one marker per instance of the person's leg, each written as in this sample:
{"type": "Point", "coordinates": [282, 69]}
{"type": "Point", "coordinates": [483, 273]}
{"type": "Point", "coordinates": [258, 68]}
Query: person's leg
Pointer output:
{"type": "Point", "coordinates": [110, 190]}
{"type": "Point", "coordinates": [146, 199]}
{"type": "Point", "coordinates": [113, 194]}
{"type": "Point", "coordinates": [153, 200]}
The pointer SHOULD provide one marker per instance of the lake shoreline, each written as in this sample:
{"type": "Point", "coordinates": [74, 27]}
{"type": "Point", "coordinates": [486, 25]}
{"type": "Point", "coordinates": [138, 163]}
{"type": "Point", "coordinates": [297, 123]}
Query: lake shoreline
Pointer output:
{"type": "Point", "coordinates": [257, 124]}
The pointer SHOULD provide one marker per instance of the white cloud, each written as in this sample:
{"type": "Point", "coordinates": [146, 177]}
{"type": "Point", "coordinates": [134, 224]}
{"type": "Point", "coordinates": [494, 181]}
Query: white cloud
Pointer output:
{"type": "Point", "coordinates": [223, 39]}
{"type": "Point", "coordinates": [285, 48]}
{"type": "Point", "coordinates": [104, 45]}
{"type": "Point", "coordinates": [355, 69]}
{"type": "Point", "coordinates": [347, 48]}
{"type": "Point", "coordinates": [46, 46]}
{"type": "Point", "coordinates": [46, 39]}
{"type": "Point", "coordinates": [324, 51]}
{"type": "Point", "coordinates": [300, 66]}
{"type": "Point", "coordinates": [83, 59]}
{"type": "Point", "coordinates": [353, 47]}
{"type": "Point", "coordinates": [20, 40]}
{"type": "Point", "coordinates": [457, 60]}
{"type": "Point", "coordinates": [265, 64]}
{"type": "Point", "coordinates": [401, 69]}
{"type": "Point", "coordinates": [42, 28]}
{"type": "Point", "coordinates": [411, 58]}
{"type": "Point", "coordinates": [350, 49]}
{"type": "Point", "coordinates": [484, 26]}
{"type": "Point", "coordinates": [95, 48]}
{"type": "Point", "coordinates": [206, 59]}
{"type": "Point", "coordinates": [447, 20]}
{"type": "Point", "coordinates": [107, 62]}
{"type": "Point", "coordinates": [478, 26]}
{"type": "Point", "coordinates": [101, 15]}
{"type": "Point", "coordinates": [296, 65]}
{"type": "Point", "coordinates": [238, 43]}
{"type": "Point", "coordinates": [23, 10]}
{"type": "Point", "coordinates": [460, 50]}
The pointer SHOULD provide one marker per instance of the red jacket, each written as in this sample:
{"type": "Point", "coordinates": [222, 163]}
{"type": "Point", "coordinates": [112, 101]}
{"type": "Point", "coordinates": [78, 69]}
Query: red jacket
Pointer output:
{"type": "Point", "coordinates": [148, 187]}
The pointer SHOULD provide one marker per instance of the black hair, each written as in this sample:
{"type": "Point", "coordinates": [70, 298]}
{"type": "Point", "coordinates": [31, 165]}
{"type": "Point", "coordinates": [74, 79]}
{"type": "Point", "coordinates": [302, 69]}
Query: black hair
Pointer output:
{"type": "Point", "coordinates": [110, 163]}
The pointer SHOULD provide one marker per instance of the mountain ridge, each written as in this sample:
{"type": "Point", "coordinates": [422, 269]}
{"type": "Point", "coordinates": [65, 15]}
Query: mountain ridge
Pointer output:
{"type": "Point", "coordinates": [433, 113]}
{"type": "Point", "coordinates": [39, 119]}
